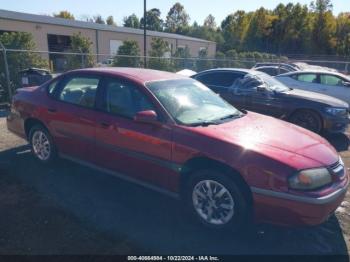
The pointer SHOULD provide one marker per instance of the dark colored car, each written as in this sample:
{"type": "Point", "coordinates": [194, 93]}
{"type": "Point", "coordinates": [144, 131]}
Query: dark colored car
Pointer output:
{"type": "Point", "coordinates": [273, 70]}
{"type": "Point", "coordinates": [256, 91]}
{"type": "Point", "coordinates": [34, 76]}
{"type": "Point", "coordinates": [173, 134]}
{"type": "Point", "coordinates": [289, 66]}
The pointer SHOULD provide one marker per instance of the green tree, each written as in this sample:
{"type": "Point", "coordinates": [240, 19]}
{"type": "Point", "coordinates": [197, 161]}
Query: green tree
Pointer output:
{"type": "Point", "coordinates": [181, 60]}
{"type": "Point", "coordinates": [110, 21]}
{"type": "Point", "coordinates": [99, 20]}
{"type": "Point", "coordinates": [210, 22]}
{"type": "Point", "coordinates": [18, 61]}
{"type": "Point", "coordinates": [291, 29]}
{"type": "Point", "coordinates": [203, 62]}
{"type": "Point", "coordinates": [207, 33]}
{"type": "Point", "coordinates": [128, 48]}
{"type": "Point", "coordinates": [259, 31]}
{"type": "Point", "coordinates": [177, 19]}
{"type": "Point", "coordinates": [232, 59]}
{"type": "Point", "coordinates": [159, 48]}
{"type": "Point", "coordinates": [153, 21]}
{"type": "Point", "coordinates": [80, 44]}
{"type": "Point", "coordinates": [65, 14]}
{"type": "Point", "coordinates": [131, 21]}
{"type": "Point", "coordinates": [323, 27]}
{"type": "Point", "coordinates": [220, 61]}
{"type": "Point", "coordinates": [234, 29]}
{"type": "Point", "coordinates": [343, 34]}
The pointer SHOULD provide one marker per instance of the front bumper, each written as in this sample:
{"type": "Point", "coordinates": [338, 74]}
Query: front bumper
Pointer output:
{"type": "Point", "coordinates": [293, 210]}
{"type": "Point", "coordinates": [335, 124]}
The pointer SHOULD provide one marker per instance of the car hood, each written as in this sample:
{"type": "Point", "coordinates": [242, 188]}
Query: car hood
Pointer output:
{"type": "Point", "coordinates": [325, 99]}
{"type": "Point", "coordinates": [256, 132]}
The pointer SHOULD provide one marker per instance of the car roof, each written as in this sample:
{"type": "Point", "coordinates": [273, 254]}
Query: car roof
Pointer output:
{"type": "Point", "coordinates": [140, 75]}
{"type": "Point", "coordinates": [240, 70]}
{"type": "Point", "coordinates": [269, 67]}
{"type": "Point", "coordinates": [291, 65]}
{"type": "Point", "coordinates": [315, 72]}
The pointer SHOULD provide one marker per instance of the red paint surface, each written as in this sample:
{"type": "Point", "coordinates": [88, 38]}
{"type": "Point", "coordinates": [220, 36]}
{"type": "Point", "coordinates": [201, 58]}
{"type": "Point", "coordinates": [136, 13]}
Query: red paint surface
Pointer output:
{"type": "Point", "coordinates": [263, 150]}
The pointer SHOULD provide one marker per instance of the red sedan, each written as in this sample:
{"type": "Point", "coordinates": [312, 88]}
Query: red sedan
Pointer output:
{"type": "Point", "coordinates": [173, 134]}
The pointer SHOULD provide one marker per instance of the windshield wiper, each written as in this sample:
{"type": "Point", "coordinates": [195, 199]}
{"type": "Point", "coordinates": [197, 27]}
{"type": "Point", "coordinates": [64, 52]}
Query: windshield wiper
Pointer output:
{"type": "Point", "coordinates": [205, 123]}
{"type": "Point", "coordinates": [232, 116]}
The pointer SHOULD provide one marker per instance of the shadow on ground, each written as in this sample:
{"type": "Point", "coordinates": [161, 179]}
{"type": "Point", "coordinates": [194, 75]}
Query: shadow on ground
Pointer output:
{"type": "Point", "coordinates": [132, 216]}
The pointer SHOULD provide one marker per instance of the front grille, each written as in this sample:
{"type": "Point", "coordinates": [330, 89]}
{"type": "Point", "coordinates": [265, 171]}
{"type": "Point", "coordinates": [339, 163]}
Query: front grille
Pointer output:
{"type": "Point", "coordinates": [337, 169]}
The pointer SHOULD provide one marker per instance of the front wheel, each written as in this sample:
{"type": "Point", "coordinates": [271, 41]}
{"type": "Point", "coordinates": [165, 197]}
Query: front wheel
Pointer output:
{"type": "Point", "coordinates": [307, 119]}
{"type": "Point", "coordinates": [217, 201]}
{"type": "Point", "coordinates": [42, 144]}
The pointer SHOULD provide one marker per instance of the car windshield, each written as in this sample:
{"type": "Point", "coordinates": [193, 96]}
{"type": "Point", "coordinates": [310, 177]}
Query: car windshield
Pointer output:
{"type": "Point", "coordinates": [192, 103]}
{"type": "Point", "coordinates": [269, 82]}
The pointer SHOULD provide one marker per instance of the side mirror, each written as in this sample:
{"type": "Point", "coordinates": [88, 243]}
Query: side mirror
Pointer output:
{"type": "Point", "coordinates": [345, 83]}
{"type": "Point", "coordinates": [261, 89]}
{"type": "Point", "coordinates": [147, 117]}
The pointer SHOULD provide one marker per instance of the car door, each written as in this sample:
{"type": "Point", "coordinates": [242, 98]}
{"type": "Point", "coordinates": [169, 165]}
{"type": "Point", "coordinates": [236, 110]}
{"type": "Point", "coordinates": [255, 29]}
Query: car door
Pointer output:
{"type": "Point", "coordinates": [333, 85]}
{"type": "Point", "coordinates": [221, 82]}
{"type": "Point", "coordinates": [257, 97]}
{"type": "Point", "coordinates": [138, 150]}
{"type": "Point", "coordinates": [307, 81]}
{"type": "Point", "coordinates": [72, 115]}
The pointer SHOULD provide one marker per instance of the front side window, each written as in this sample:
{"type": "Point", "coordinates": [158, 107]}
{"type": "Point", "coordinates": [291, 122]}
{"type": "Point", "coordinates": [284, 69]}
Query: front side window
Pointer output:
{"type": "Point", "coordinates": [309, 78]}
{"type": "Point", "coordinates": [125, 99]}
{"type": "Point", "coordinates": [250, 82]}
{"type": "Point", "coordinates": [52, 87]}
{"type": "Point", "coordinates": [190, 102]}
{"type": "Point", "coordinates": [331, 80]}
{"type": "Point", "coordinates": [80, 91]}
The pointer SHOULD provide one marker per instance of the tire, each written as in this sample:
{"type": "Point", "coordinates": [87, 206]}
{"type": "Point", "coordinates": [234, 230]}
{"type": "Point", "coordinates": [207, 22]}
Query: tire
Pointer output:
{"type": "Point", "coordinates": [42, 146]}
{"type": "Point", "coordinates": [308, 120]}
{"type": "Point", "coordinates": [230, 212]}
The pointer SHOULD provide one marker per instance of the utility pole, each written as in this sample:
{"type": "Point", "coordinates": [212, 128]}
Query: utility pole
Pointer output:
{"type": "Point", "coordinates": [144, 35]}
{"type": "Point", "coordinates": [7, 73]}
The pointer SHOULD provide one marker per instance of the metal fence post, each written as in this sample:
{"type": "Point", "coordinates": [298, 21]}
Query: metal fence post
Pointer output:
{"type": "Point", "coordinates": [7, 73]}
{"type": "Point", "coordinates": [82, 58]}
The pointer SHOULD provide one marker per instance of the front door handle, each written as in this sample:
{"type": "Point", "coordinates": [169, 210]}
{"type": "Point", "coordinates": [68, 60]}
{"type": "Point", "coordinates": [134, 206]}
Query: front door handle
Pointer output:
{"type": "Point", "coordinates": [51, 110]}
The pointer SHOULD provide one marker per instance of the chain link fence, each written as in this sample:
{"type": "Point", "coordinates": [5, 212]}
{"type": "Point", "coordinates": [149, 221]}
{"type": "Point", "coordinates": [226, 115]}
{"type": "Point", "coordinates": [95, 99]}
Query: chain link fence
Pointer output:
{"type": "Point", "coordinates": [13, 64]}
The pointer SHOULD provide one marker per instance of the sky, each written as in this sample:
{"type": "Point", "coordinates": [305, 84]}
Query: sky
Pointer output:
{"type": "Point", "coordinates": [198, 10]}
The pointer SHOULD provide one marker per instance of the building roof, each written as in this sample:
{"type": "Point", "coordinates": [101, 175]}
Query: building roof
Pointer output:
{"type": "Point", "coordinates": [5, 14]}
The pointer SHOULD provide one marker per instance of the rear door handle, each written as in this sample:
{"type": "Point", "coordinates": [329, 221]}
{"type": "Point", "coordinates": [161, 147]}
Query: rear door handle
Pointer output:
{"type": "Point", "coordinates": [52, 110]}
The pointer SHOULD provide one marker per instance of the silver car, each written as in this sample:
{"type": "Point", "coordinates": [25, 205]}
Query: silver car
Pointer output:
{"type": "Point", "coordinates": [324, 82]}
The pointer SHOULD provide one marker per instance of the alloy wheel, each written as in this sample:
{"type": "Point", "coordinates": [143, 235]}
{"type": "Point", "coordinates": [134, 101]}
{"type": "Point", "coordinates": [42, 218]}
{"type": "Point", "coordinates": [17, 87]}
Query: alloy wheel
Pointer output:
{"type": "Point", "coordinates": [41, 145]}
{"type": "Point", "coordinates": [213, 202]}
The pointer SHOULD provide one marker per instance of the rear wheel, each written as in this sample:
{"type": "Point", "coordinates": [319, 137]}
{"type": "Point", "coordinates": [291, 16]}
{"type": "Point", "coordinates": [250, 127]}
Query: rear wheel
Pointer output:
{"type": "Point", "coordinates": [308, 120]}
{"type": "Point", "coordinates": [42, 144]}
{"type": "Point", "coordinates": [216, 201]}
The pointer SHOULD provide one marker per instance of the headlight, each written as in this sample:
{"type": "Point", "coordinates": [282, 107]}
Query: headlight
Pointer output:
{"type": "Point", "coordinates": [336, 111]}
{"type": "Point", "coordinates": [310, 179]}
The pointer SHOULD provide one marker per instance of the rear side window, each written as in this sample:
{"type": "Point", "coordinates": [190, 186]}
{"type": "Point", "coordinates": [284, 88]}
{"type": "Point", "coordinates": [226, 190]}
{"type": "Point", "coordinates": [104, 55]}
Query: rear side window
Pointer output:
{"type": "Point", "coordinates": [269, 71]}
{"type": "Point", "coordinates": [223, 79]}
{"type": "Point", "coordinates": [309, 78]}
{"type": "Point", "coordinates": [80, 91]}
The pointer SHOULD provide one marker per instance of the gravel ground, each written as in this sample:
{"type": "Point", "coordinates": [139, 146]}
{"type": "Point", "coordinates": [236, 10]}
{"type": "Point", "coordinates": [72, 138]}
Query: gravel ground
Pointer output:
{"type": "Point", "coordinates": [70, 209]}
